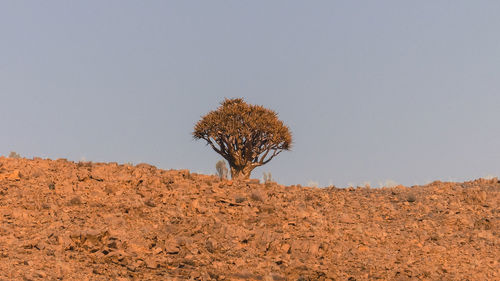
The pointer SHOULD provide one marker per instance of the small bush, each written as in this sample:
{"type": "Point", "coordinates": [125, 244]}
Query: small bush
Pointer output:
{"type": "Point", "coordinates": [257, 196]}
{"type": "Point", "coordinates": [14, 155]}
{"type": "Point", "coordinates": [268, 178]}
{"type": "Point", "coordinates": [411, 198]}
{"type": "Point", "coordinates": [312, 183]}
{"type": "Point", "coordinates": [221, 169]}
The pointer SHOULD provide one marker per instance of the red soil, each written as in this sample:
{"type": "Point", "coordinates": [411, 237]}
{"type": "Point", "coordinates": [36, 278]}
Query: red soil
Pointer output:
{"type": "Point", "coordinates": [61, 220]}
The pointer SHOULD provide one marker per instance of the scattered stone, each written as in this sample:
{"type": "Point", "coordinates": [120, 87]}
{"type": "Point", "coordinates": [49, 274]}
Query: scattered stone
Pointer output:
{"type": "Point", "coordinates": [172, 249]}
{"type": "Point", "coordinates": [139, 222]}
{"type": "Point", "coordinates": [150, 203]}
{"type": "Point", "coordinates": [157, 250]}
{"type": "Point", "coordinates": [211, 245]}
{"type": "Point", "coordinates": [14, 176]}
{"type": "Point", "coordinates": [151, 263]}
{"type": "Point", "coordinates": [240, 199]}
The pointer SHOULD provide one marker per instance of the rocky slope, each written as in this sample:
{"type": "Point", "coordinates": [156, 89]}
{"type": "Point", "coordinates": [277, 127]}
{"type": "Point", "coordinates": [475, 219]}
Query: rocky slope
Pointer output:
{"type": "Point", "coordinates": [61, 220]}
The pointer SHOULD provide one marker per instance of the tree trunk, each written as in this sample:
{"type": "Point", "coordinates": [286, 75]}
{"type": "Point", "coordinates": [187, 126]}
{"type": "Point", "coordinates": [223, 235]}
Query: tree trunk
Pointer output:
{"type": "Point", "coordinates": [241, 173]}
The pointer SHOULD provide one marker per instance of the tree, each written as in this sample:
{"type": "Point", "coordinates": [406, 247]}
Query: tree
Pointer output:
{"type": "Point", "coordinates": [247, 136]}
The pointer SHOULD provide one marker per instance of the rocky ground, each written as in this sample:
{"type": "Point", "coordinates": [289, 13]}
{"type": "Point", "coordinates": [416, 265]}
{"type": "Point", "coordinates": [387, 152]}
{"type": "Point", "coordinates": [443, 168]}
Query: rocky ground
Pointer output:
{"type": "Point", "coordinates": [61, 220]}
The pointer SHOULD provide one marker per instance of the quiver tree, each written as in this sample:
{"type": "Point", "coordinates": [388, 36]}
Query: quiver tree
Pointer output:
{"type": "Point", "coordinates": [247, 136]}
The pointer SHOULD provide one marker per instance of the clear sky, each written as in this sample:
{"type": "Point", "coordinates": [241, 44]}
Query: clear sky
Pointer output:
{"type": "Point", "coordinates": [407, 91]}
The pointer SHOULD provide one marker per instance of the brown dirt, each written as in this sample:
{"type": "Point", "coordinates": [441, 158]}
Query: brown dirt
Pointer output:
{"type": "Point", "coordinates": [88, 221]}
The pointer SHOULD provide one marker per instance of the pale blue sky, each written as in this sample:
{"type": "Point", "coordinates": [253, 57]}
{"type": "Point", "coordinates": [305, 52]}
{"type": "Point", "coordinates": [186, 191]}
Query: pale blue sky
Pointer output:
{"type": "Point", "coordinates": [372, 90]}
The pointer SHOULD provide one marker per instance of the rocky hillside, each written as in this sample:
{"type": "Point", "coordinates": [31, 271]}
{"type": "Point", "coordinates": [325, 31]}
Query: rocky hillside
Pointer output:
{"type": "Point", "coordinates": [61, 220]}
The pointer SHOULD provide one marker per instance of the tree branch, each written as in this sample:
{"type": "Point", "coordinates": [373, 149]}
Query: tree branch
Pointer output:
{"type": "Point", "coordinates": [218, 150]}
{"type": "Point", "coordinates": [275, 153]}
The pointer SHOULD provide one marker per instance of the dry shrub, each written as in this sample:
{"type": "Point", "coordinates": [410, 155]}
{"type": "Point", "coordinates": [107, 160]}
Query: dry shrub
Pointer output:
{"type": "Point", "coordinates": [257, 196]}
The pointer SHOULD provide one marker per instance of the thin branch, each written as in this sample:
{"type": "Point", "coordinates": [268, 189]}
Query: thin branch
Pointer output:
{"type": "Point", "coordinates": [276, 152]}
{"type": "Point", "coordinates": [209, 141]}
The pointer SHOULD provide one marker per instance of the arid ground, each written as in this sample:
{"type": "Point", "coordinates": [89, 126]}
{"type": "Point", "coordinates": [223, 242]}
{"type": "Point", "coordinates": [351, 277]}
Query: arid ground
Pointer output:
{"type": "Point", "coordinates": [61, 220]}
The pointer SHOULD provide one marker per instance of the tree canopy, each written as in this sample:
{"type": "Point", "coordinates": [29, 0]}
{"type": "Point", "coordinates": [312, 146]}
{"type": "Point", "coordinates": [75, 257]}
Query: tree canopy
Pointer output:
{"type": "Point", "coordinates": [247, 136]}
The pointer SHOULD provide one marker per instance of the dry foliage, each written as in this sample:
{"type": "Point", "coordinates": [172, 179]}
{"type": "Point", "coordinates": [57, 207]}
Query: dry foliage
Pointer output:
{"type": "Point", "coordinates": [247, 136]}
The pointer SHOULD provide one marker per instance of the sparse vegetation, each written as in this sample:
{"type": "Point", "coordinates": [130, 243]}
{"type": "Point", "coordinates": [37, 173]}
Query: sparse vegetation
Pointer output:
{"type": "Point", "coordinates": [257, 196]}
{"type": "Point", "coordinates": [14, 155]}
{"type": "Point", "coordinates": [312, 183]}
{"type": "Point", "coordinates": [268, 178]}
{"type": "Point", "coordinates": [411, 198]}
{"type": "Point", "coordinates": [154, 214]}
{"type": "Point", "coordinates": [247, 136]}
{"type": "Point", "coordinates": [221, 169]}
{"type": "Point", "coordinates": [388, 183]}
